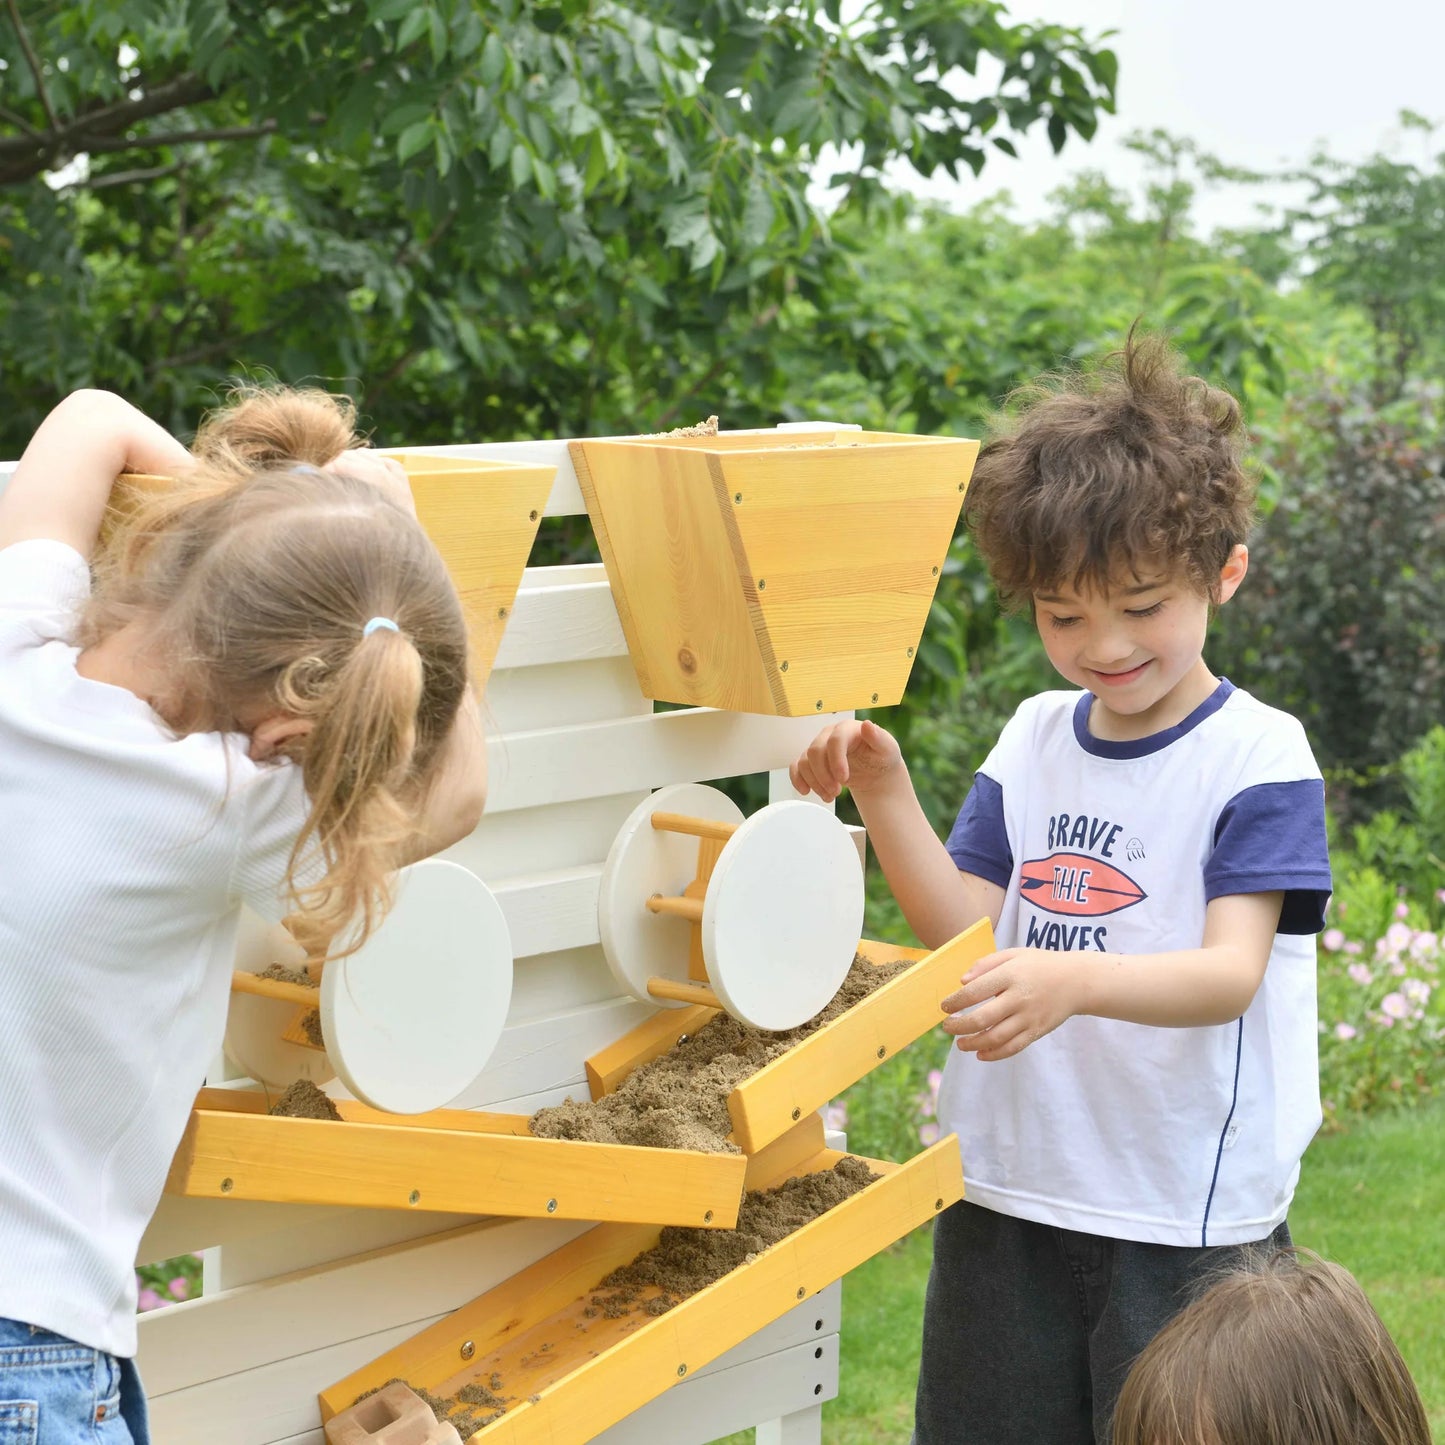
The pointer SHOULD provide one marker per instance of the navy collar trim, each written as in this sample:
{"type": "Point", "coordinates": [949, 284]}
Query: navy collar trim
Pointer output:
{"type": "Point", "coordinates": [1155, 742]}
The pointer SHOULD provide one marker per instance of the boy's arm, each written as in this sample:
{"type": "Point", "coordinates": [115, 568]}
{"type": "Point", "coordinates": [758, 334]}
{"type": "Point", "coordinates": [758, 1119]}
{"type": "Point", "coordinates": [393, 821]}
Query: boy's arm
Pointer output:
{"type": "Point", "coordinates": [937, 898]}
{"type": "Point", "coordinates": [63, 482]}
{"type": "Point", "coordinates": [1020, 994]}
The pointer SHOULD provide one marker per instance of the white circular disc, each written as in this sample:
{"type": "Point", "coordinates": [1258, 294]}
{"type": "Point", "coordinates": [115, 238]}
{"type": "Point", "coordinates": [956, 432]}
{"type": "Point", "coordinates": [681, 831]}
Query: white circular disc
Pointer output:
{"type": "Point", "coordinates": [783, 915]}
{"type": "Point", "coordinates": [642, 861]}
{"type": "Point", "coordinates": [412, 1017]}
{"type": "Point", "coordinates": [254, 1025]}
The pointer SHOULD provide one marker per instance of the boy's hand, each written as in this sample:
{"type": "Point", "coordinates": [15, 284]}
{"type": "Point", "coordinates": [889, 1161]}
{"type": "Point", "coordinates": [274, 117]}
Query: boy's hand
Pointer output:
{"type": "Point", "coordinates": [852, 754]}
{"type": "Point", "coordinates": [1020, 994]}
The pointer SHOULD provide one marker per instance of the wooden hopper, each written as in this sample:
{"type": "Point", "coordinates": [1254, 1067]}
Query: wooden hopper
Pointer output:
{"type": "Point", "coordinates": [482, 515]}
{"type": "Point", "coordinates": [787, 573]}
{"type": "Point", "coordinates": [819, 1067]}
{"type": "Point", "coordinates": [569, 1371]}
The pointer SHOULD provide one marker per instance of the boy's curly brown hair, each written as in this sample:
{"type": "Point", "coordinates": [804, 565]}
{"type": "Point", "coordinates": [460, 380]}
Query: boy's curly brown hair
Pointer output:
{"type": "Point", "coordinates": [1120, 470]}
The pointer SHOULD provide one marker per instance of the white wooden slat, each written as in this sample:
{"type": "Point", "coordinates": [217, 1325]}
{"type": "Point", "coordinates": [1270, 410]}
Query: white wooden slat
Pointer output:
{"type": "Point", "coordinates": [560, 624]}
{"type": "Point", "coordinates": [568, 978]}
{"type": "Point", "coordinates": [556, 765]}
{"type": "Point", "coordinates": [293, 1314]}
{"type": "Point", "coordinates": [564, 574]}
{"type": "Point", "coordinates": [535, 840]}
{"type": "Point", "coordinates": [546, 912]}
{"type": "Point", "coordinates": [548, 1053]}
{"type": "Point", "coordinates": [560, 694]}
{"type": "Point", "coordinates": [697, 1411]}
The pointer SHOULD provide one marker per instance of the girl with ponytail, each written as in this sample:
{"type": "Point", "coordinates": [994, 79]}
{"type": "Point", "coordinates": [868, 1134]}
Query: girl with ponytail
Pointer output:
{"type": "Point", "coordinates": [258, 697]}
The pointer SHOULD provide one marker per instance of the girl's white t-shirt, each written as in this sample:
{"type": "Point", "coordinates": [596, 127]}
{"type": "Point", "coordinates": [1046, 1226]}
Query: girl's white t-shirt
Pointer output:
{"type": "Point", "coordinates": [125, 856]}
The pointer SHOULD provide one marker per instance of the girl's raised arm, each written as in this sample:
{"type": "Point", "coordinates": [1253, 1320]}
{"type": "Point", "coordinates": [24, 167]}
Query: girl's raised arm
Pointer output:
{"type": "Point", "coordinates": [63, 481]}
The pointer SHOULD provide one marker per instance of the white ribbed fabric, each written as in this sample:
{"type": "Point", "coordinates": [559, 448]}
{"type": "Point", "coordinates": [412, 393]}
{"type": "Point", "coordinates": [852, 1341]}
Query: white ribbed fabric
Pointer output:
{"type": "Point", "coordinates": [125, 855]}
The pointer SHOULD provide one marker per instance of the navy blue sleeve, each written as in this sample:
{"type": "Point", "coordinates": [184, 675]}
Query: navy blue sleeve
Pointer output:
{"type": "Point", "coordinates": [979, 841]}
{"type": "Point", "coordinates": [1271, 838]}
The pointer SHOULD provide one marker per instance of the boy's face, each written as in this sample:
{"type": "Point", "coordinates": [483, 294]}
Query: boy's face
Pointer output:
{"type": "Point", "coordinates": [1137, 646]}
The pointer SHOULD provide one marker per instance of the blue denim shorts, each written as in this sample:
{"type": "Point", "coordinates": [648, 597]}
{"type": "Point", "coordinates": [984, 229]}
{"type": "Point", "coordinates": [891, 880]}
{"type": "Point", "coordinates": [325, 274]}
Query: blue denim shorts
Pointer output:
{"type": "Point", "coordinates": [54, 1391]}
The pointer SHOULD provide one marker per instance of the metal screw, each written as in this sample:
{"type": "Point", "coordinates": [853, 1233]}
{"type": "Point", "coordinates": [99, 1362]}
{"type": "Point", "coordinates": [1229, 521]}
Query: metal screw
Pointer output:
{"type": "Point", "coordinates": [532, 516]}
{"type": "Point", "coordinates": [227, 1185]}
{"type": "Point", "coordinates": [938, 1204]}
{"type": "Point", "coordinates": [819, 704]}
{"type": "Point", "coordinates": [875, 697]}
{"type": "Point", "coordinates": [761, 584]}
{"type": "Point", "coordinates": [707, 1218]}
{"type": "Point", "coordinates": [469, 1349]}
{"type": "Point", "coordinates": [681, 1371]}
{"type": "Point", "coordinates": [414, 1197]}
{"type": "Point", "coordinates": [882, 1050]}
{"type": "Point", "coordinates": [935, 571]}
{"type": "Point", "coordinates": [683, 1038]}
{"type": "Point", "coordinates": [961, 485]}
{"type": "Point", "coordinates": [818, 1353]}
{"type": "Point", "coordinates": [910, 652]}
{"type": "Point", "coordinates": [817, 1389]}
{"type": "Point", "coordinates": [501, 612]}
{"type": "Point", "coordinates": [797, 1113]}
{"type": "Point", "coordinates": [737, 496]}
{"type": "Point", "coordinates": [782, 667]}
{"type": "Point", "coordinates": [551, 1206]}
{"type": "Point", "coordinates": [801, 1291]}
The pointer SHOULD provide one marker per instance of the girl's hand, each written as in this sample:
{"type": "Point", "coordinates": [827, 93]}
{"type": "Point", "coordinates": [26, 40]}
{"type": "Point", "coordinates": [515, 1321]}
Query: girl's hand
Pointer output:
{"type": "Point", "coordinates": [386, 473]}
{"type": "Point", "coordinates": [852, 754]}
{"type": "Point", "coordinates": [1015, 997]}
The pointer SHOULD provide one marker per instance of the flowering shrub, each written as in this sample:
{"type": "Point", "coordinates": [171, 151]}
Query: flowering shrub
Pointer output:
{"type": "Point", "coordinates": [1382, 1012]}
{"type": "Point", "coordinates": [168, 1282]}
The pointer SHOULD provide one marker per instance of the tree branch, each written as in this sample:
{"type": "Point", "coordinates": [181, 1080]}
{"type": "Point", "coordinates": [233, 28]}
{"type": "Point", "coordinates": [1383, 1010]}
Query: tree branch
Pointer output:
{"type": "Point", "coordinates": [156, 139]}
{"type": "Point", "coordinates": [126, 178]}
{"type": "Point", "coordinates": [33, 60]}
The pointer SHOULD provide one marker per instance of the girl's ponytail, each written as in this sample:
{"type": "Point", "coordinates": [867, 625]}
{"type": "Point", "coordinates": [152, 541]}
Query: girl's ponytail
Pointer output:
{"type": "Point", "coordinates": [359, 766]}
{"type": "Point", "coordinates": [262, 426]}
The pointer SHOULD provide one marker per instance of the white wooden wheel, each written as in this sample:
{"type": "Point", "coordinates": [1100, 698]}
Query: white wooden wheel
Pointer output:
{"type": "Point", "coordinates": [783, 915]}
{"type": "Point", "coordinates": [412, 1017]}
{"type": "Point", "coordinates": [644, 861]}
{"type": "Point", "coordinates": [254, 1025]}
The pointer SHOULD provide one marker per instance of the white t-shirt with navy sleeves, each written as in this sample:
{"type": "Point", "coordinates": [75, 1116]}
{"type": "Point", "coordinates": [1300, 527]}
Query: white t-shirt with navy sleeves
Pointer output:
{"type": "Point", "coordinates": [125, 856]}
{"type": "Point", "coordinates": [1172, 1136]}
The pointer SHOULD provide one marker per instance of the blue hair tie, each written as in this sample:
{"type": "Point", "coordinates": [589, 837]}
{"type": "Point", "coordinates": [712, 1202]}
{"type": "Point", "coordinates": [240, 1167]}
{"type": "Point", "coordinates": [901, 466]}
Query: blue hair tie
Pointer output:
{"type": "Point", "coordinates": [379, 624]}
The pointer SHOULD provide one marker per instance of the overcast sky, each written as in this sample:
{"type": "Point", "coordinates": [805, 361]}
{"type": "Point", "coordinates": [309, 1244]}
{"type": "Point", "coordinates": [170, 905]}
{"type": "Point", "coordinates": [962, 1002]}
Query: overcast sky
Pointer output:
{"type": "Point", "coordinates": [1259, 83]}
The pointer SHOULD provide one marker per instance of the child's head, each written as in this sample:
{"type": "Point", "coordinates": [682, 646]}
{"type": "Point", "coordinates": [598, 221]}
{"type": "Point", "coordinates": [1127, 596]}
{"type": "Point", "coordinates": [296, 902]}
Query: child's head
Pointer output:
{"type": "Point", "coordinates": [1280, 1352]}
{"type": "Point", "coordinates": [252, 583]}
{"type": "Point", "coordinates": [1128, 471]}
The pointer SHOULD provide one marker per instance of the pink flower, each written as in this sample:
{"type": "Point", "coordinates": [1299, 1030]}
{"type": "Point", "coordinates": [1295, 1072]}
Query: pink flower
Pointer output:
{"type": "Point", "coordinates": [1440, 895]}
{"type": "Point", "coordinates": [1397, 936]}
{"type": "Point", "coordinates": [1416, 990]}
{"type": "Point", "coordinates": [1333, 939]}
{"type": "Point", "coordinates": [1397, 967]}
{"type": "Point", "coordinates": [1361, 974]}
{"type": "Point", "coordinates": [1344, 1031]}
{"type": "Point", "coordinates": [835, 1115]}
{"type": "Point", "coordinates": [1424, 943]}
{"type": "Point", "coordinates": [1353, 948]}
{"type": "Point", "coordinates": [928, 1133]}
{"type": "Point", "coordinates": [149, 1300]}
{"type": "Point", "coordinates": [1402, 909]}
{"type": "Point", "coordinates": [180, 1287]}
{"type": "Point", "coordinates": [1394, 1006]}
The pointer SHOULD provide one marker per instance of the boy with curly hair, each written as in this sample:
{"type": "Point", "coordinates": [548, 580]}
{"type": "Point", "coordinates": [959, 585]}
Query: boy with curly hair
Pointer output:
{"type": "Point", "coordinates": [1135, 1078]}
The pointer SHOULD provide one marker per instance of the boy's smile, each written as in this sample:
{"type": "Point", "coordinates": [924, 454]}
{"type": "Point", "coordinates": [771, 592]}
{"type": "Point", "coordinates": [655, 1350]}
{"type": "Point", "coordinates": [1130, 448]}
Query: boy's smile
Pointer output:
{"type": "Point", "coordinates": [1137, 646]}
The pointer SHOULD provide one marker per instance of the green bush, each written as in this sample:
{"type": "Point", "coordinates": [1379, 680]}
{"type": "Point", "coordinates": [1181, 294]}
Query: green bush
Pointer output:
{"type": "Point", "coordinates": [1339, 622]}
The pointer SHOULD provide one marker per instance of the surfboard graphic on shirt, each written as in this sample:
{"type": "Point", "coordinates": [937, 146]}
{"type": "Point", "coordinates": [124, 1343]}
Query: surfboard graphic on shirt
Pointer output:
{"type": "Point", "coordinates": [1077, 886]}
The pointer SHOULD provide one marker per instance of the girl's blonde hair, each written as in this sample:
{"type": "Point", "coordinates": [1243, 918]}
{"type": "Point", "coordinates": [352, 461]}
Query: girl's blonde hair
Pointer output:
{"type": "Point", "coordinates": [255, 577]}
{"type": "Point", "coordinates": [1280, 1352]}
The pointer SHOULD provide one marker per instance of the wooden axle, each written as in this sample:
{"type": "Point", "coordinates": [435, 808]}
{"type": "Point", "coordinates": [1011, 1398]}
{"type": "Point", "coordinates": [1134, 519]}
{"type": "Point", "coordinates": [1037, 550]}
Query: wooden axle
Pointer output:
{"type": "Point", "coordinates": [711, 835]}
{"type": "Point", "coordinates": [693, 993]}
{"type": "Point", "coordinates": [688, 908]}
{"type": "Point", "coordinates": [693, 827]}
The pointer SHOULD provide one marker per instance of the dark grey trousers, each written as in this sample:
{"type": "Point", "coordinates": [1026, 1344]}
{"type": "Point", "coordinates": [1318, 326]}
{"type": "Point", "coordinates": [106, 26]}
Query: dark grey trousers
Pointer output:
{"type": "Point", "coordinates": [1029, 1330]}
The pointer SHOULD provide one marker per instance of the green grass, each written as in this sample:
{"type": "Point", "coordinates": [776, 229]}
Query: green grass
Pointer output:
{"type": "Point", "coordinates": [1372, 1199]}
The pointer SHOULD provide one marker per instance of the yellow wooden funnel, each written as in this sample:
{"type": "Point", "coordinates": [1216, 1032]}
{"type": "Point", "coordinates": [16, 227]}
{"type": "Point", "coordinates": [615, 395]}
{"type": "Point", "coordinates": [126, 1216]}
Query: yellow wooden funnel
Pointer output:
{"type": "Point", "coordinates": [780, 572]}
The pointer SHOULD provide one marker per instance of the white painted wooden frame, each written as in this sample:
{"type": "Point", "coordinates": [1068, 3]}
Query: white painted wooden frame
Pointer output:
{"type": "Point", "coordinates": [298, 1296]}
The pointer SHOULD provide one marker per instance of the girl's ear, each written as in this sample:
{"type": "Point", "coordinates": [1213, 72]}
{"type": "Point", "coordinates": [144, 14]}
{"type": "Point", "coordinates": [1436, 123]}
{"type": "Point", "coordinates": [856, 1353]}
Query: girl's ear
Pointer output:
{"type": "Point", "coordinates": [274, 736]}
{"type": "Point", "coordinates": [1232, 573]}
